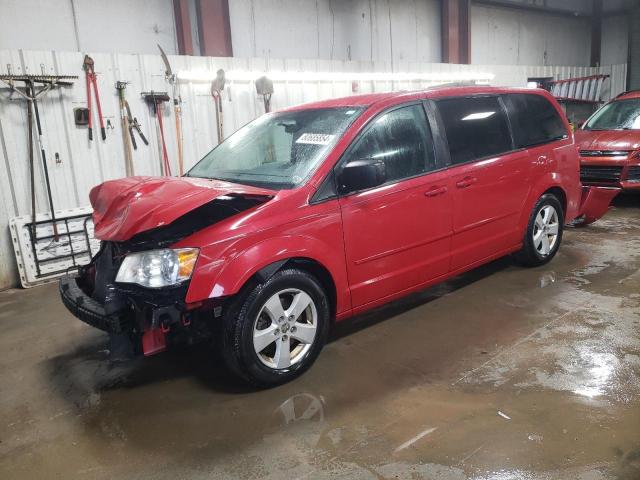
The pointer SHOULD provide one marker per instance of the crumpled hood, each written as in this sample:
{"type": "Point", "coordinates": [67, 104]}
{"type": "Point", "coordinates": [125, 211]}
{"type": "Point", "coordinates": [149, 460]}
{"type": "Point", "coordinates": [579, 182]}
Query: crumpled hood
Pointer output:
{"type": "Point", "coordinates": [608, 139]}
{"type": "Point", "coordinates": [125, 207]}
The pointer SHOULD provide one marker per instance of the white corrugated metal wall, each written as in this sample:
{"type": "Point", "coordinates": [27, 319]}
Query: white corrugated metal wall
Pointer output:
{"type": "Point", "coordinates": [83, 164]}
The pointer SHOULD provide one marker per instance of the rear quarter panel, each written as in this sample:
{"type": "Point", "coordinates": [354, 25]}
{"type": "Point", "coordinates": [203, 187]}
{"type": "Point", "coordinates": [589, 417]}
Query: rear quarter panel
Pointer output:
{"type": "Point", "coordinates": [563, 171]}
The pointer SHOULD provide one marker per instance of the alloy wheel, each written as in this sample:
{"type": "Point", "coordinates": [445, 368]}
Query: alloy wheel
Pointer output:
{"type": "Point", "coordinates": [545, 230]}
{"type": "Point", "coordinates": [285, 328]}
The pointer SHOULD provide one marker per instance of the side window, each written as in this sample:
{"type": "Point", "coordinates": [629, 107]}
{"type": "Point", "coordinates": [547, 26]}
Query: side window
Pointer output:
{"type": "Point", "coordinates": [400, 138]}
{"type": "Point", "coordinates": [534, 119]}
{"type": "Point", "coordinates": [475, 127]}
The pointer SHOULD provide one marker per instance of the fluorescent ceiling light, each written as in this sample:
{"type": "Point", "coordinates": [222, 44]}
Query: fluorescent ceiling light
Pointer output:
{"type": "Point", "coordinates": [478, 115]}
{"type": "Point", "coordinates": [278, 76]}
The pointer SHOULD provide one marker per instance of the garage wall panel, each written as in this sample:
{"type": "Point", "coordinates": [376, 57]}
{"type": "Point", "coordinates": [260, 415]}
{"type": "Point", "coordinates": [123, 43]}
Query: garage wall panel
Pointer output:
{"type": "Point", "coordinates": [100, 26]}
{"type": "Point", "coordinates": [520, 37]}
{"type": "Point", "coordinates": [615, 40]}
{"type": "Point", "coordinates": [83, 164]}
{"type": "Point", "coordinates": [371, 30]}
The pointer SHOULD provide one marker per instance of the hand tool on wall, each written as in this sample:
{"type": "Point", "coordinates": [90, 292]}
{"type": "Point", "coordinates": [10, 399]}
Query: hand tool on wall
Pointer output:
{"type": "Point", "coordinates": [264, 87]}
{"type": "Point", "coordinates": [90, 73]}
{"type": "Point", "coordinates": [43, 155]}
{"type": "Point", "coordinates": [32, 169]}
{"type": "Point", "coordinates": [217, 85]}
{"type": "Point", "coordinates": [135, 125]}
{"type": "Point", "coordinates": [156, 101]}
{"type": "Point", "coordinates": [172, 78]}
{"type": "Point", "coordinates": [31, 93]}
{"type": "Point", "coordinates": [126, 132]}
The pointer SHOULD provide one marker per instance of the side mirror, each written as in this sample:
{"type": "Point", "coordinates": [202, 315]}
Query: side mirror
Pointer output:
{"type": "Point", "coordinates": [361, 174]}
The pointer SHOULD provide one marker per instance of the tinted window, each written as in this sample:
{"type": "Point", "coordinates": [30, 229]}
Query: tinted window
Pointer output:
{"type": "Point", "coordinates": [401, 139]}
{"type": "Point", "coordinates": [533, 119]}
{"type": "Point", "coordinates": [475, 128]}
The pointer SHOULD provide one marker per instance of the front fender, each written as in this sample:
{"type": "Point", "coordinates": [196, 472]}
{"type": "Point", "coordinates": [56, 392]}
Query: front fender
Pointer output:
{"type": "Point", "coordinates": [239, 267]}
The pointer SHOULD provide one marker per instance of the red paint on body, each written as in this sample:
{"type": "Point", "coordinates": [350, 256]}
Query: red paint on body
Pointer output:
{"type": "Point", "coordinates": [122, 208]}
{"type": "Point", "coordinates": [376, 245]}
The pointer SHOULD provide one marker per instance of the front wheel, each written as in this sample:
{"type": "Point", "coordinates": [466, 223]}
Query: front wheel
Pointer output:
{"type": "Point", "coordinates": [544, 232]}
{"type": "Point", "coordinates": [277, 328]}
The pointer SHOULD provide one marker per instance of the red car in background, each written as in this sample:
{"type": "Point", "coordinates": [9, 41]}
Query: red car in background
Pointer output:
{"type": "Point", "coordinates": [609, 144]}
{"type": "Point", "coordinates": [313, 214]}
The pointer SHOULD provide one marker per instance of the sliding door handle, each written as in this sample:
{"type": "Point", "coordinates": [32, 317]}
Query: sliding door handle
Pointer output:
{"type": "Point", "coordinates": [435, 191]}
{"type": "Point", "coordinates": [466, 182]}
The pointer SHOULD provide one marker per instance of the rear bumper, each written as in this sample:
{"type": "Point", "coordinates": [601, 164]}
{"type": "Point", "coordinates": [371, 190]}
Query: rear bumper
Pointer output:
{"type": "Point", "coordinates": [595, 202]}
{"type": "Point", "coordinates": [91, 312]}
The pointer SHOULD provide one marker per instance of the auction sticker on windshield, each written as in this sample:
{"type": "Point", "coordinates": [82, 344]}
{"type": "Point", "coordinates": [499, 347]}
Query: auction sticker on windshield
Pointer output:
{"type": "Point", "coordinates": [315, 138]}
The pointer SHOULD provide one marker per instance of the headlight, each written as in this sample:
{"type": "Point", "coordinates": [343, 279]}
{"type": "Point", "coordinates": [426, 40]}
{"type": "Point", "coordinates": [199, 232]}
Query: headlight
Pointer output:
{"type": "Point", "coordinates": [158, 268]}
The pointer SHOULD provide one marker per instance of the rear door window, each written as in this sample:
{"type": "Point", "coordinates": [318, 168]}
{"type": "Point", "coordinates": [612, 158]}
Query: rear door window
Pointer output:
{"type": "Point", "coordinates": [533, 119]}
{"type": "Point", "coordinates": [476, 127]}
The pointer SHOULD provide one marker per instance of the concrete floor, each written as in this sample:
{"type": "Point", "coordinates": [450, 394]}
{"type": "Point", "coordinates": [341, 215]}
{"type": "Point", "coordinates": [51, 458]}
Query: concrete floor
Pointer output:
{"type": "Point", "coordinates": [502, 373]}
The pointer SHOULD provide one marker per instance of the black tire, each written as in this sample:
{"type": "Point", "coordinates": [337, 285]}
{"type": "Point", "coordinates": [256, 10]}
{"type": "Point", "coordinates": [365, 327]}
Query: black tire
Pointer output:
{"type": "Point", "coordinates": [239, 321]}
{"type": "Point", "coordinates": [530, 255]}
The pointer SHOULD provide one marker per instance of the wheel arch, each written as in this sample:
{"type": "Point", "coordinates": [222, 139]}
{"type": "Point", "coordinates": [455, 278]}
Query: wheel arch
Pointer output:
{"type": "Point", "coordinates": [546, 184]}
{"type": "Point", "coordinates": [560, 194]}
{"type": "Point", "coordinates": [309, 265]}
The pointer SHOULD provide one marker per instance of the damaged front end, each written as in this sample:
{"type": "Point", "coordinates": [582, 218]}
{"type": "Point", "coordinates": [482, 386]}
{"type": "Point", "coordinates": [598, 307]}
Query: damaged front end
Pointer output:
{"type": "Point", "coordinates": [139, 319]}
{"type": "Point", "coordinates": [142, 315]}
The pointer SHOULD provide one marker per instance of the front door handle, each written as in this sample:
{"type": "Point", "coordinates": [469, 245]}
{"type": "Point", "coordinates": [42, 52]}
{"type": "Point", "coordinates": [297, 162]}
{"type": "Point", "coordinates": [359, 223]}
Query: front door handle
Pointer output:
{"type": "Point", "coordinates": [466, 182]}
{"type": "Point", "coordinates": [435, 191]}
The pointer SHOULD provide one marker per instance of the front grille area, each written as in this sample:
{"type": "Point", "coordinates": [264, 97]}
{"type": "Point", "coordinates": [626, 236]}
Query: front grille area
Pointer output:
{"type": "Point", "coordinates": [633, 174]}
{"type": "Point", "coordinates": [600, 174]}
{"type": "Point", "coordinates": [604, 153]}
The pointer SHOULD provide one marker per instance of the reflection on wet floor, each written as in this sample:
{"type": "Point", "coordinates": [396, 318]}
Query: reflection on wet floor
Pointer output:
{"type": "Point", "coordinates": [502, 373]}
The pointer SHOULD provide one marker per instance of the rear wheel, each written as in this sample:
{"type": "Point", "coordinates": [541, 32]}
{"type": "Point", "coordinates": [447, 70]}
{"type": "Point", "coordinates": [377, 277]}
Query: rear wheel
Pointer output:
{"type": "Point", "coordinates": [544, 232]}
{"type": "Point", "coordinates": [276, 329]}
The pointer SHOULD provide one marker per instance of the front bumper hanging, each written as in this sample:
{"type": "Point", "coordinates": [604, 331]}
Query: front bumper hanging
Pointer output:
{"type": "Point", "coordinates": [89, 310]}
{"type": "Point", "coordinates": [143, 317]}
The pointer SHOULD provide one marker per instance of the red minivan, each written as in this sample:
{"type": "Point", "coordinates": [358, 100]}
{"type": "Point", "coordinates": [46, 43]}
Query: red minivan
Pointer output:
{"type": "Point", "coordinates": [315, 213]}
{"type": "Point", "coordinates": [609, 143]}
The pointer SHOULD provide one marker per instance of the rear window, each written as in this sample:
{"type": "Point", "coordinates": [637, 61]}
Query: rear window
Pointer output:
{"type": "Point", "coordinates": [476, 127]}
{"type": "Point", "coordinates": [533, 119]}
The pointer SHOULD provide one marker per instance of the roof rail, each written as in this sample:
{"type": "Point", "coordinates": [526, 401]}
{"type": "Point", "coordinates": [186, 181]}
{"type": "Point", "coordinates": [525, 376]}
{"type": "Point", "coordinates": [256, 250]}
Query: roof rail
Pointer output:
{"type": "Point", "coordinates": [627, 92]}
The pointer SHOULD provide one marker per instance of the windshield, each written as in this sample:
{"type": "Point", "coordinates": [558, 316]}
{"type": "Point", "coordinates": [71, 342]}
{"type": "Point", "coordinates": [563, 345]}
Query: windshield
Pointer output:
{"type": "Point", "coordinates": [618, 115]}
{"type": "Point", "coordinates": [278, 150]}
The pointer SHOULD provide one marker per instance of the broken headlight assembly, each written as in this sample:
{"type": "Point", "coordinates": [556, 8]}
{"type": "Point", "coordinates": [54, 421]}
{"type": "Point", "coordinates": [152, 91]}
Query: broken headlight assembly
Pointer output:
{"type": "Point", "coordinates": [158, 268]}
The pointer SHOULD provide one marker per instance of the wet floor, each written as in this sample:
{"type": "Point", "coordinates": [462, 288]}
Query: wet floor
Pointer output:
{"type": "Point", "coordinates": [503, 373]}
